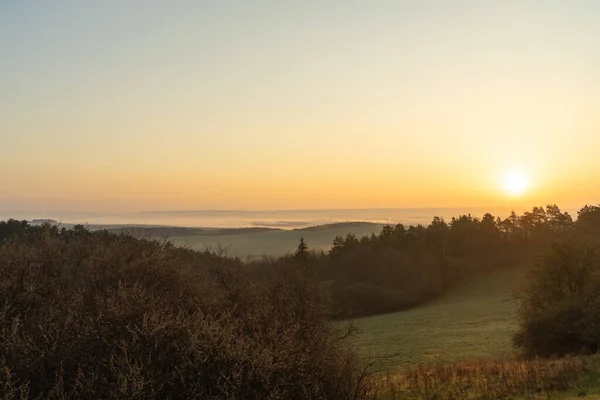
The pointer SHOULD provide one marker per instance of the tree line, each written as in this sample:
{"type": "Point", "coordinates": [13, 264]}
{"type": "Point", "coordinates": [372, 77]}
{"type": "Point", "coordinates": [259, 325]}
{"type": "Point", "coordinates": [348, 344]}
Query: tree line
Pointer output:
{"type": "Point", "coordinates": [403, 266]}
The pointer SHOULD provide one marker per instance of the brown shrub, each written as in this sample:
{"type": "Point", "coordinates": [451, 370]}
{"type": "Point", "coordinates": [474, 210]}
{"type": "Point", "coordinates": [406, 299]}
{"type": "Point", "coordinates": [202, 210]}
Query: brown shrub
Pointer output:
{"type": "Point", "coordinates": [94, 315]}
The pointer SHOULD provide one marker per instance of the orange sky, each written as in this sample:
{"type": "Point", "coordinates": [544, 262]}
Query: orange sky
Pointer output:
{"type": "Point", "coordinates": [148, 105]}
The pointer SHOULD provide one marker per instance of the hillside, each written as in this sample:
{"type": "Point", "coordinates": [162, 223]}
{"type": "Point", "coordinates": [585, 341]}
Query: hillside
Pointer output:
{"type": "Point", "coordinates": [249, 243]}
{"type": "Point", "coordinates": [475, 320]}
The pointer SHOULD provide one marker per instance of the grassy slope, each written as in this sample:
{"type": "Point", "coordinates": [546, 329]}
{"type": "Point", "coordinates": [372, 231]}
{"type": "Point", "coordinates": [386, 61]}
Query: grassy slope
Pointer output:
{"type": "Point", "coordinates": [475, 320]}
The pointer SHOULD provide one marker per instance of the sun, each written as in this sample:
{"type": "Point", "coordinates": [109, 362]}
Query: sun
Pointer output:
{"type": "Point", "coordinates": [516, 183]}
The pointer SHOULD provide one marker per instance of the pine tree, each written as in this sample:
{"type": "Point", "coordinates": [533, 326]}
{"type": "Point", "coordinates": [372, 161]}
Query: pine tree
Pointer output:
{"type": "Point", "coordinates": [301, 253]}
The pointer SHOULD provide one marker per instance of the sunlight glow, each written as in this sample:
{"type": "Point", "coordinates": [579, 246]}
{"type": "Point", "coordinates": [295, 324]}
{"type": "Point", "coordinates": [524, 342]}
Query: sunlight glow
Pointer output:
{"type": "Point", "coordinates": [516, 183]}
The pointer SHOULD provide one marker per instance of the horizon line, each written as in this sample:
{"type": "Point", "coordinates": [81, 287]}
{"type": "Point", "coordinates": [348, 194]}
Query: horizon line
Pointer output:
{"type": "Point", "coordinates": [326, 209]}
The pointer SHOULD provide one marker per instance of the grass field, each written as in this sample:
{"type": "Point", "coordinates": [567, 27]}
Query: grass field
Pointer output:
{"type": "Point", "coordinates": [475, 320]}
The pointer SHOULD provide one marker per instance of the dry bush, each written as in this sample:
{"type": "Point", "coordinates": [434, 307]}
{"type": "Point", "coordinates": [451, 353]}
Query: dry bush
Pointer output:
{"type": "Point", "coordinates": [484, 379]}
{"type": "Point", "coordinates": [95, 315]}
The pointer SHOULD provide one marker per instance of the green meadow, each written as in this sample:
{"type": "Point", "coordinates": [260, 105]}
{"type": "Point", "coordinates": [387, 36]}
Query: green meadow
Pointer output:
{"type": "Point", "coordinates": [473, 321]}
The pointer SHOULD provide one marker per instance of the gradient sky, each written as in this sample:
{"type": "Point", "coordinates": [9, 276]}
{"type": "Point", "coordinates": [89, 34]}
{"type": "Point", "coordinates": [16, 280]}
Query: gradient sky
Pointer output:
{"type": "Point", "coordinates": [123, 105]}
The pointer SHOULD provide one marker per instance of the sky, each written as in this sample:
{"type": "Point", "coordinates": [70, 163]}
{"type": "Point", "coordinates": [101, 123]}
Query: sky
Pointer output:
{"type": "Point", "coordinates": [134, 105]}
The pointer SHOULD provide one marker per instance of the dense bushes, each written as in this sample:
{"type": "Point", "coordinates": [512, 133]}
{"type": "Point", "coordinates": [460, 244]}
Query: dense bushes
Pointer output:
{"type": "Point", "coordinates": [95, 315]}
{"type": "Point", "coordinates": [560, 306]}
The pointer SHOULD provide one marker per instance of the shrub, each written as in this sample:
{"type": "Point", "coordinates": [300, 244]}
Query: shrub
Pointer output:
{"type": "Point", "coordinates": [95, 315]}
{"type": "Point", "coordinates": [560, 305]}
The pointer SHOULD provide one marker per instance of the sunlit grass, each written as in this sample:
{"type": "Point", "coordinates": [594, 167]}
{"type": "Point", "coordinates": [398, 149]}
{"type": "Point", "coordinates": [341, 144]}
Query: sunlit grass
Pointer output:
{"type": "Point", "coordinates": [475, 320]}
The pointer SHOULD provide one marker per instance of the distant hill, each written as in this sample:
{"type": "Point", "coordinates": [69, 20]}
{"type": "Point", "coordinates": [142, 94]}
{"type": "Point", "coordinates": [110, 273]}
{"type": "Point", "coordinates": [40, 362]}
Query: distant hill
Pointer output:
{"type": "Point", "coordinates": [250, 243]}
{"type": "Point", "coordinates": [43, 221]}
{"type": "Point", "coordinates": [340, 225]}
{"type": "Point", "coordinates": [172, 231]}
